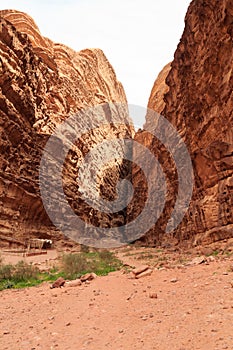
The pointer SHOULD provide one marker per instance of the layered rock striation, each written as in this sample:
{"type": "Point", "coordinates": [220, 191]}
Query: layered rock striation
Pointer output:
{"type": "Point", "coordinates": [198, 101]}
{"type": "Point", "coordinates": [41, 84]}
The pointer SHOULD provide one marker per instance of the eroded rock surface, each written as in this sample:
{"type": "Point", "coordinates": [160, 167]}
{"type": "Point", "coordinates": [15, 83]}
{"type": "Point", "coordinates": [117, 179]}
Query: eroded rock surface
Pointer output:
{"type": "Point", "coordinates": [199, 103]}
{"type": "Point", "coordinates": [160, 88]}
{"type": "Point", "coordinates": [42, 83]}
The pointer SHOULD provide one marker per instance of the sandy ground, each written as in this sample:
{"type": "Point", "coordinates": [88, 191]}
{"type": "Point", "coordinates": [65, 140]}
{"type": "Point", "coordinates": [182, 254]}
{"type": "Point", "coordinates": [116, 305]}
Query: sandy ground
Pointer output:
{"type": "Point", "coordinates": [43, 259]}
{"type": "Point", "coordinates": [193, 310]}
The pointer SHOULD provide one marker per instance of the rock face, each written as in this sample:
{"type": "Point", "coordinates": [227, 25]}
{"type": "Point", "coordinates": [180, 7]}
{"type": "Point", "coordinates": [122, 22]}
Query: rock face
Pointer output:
{"type": "Point", "coordinates": [160, 88]}
{"type": "Point", "coordinates": [65, 80]}
{"type": "Point", "coordinates": [41, 84]}
{"type": "Point", "coordinates": [199, 103]}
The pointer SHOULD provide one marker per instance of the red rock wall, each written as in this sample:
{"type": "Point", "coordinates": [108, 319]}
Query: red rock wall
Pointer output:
{"type": "Point", "coordinates": [199, 103]}
{"type": "Point", "coordinates": [41, 84]}
{"type": "Point", "coordinates": [160, 88]}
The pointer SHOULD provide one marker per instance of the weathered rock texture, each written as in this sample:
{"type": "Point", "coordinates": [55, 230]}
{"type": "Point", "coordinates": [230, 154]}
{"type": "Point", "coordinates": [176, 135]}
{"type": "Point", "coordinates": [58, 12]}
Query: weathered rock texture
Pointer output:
{"type": "Point", "coordinates": [199, 103]}
{"type": "Point", "coordinates": [160, 88]}
{"type": "Point", "coordinates": [41, 84]}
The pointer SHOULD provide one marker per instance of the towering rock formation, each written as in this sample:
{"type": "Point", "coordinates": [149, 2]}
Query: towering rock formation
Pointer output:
{"type": "Point", "coordinates": [199, 103]}
{"type": "Point", "coordinates": [41, 84]}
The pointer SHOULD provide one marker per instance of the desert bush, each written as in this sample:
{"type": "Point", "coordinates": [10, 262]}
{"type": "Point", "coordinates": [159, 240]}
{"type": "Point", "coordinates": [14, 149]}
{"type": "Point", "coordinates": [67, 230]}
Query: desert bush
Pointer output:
{"type": "Point", "coordinates": [7, 285]}
{"type": "Point", "coordinates": [20, 272]}
{"type": "Point", "coordinates": [24, 272]}
{"type": "Point", "coordinates": [74, 265]}
{"type": "Point", "coordinates": [107, 256]}
{"type": "Point", "coordinates": [6, 271]}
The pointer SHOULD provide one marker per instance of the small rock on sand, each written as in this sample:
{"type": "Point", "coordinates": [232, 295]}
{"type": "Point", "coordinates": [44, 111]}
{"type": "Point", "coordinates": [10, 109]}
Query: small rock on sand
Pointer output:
{"type": "Point", "coordinates": [88, 277]}
{"type": "Point", "coordinates": [153, 295]}
{"type": "Point", "coordinates": [140, 269]}
{"type": "Point", "coordinates": [73, 283]}
{"type": "Point", "coordinates": [58, 283]}
{"type": "Point", "coordinates": [148, 272]}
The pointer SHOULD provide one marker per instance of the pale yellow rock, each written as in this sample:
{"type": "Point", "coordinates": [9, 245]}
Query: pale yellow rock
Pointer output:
{"type": "Point", "coordinates": [140, 269]}
{"type": "Point", "coordinates": [144, 274]}
{"type": "Point", "coordinates": [73, 283]}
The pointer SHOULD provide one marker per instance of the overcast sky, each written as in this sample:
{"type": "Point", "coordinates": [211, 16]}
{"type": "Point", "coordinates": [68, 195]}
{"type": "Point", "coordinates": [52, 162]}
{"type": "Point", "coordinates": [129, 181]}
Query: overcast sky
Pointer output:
{"type": "Point", "coordinates": [138, 36]}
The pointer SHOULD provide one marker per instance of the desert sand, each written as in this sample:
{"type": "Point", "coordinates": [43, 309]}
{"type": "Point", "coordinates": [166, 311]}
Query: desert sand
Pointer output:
{"type": "Point", "coordinates": [180, 307]}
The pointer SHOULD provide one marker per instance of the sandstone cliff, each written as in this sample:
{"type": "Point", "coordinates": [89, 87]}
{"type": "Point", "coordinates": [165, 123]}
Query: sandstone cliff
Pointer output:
{"type": "Point", "coordinates": [43, 83]}
{"type": "Point", "coordinates": [199, 103]}
{"type": "Point", "coordinates": [160, 88]}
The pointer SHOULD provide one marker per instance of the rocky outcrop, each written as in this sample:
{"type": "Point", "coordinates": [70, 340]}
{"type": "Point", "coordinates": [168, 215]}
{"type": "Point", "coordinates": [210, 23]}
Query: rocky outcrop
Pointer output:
{"type": "Point", "coordinates": [160, 88]}
{"type": "Point", "coordinates": [199, 103]}
{"type": "Point", "coordinates": [67, 80]}
{"type": "Point", "coordinates": [41, 84]}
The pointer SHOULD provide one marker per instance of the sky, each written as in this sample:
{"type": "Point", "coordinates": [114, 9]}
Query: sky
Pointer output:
{"type": "Point", "coordinates": [139, 37]}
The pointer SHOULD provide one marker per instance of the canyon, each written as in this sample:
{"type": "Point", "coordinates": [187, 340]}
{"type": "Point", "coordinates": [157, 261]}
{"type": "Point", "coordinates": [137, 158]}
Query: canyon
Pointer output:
{"type": "Point", "coordinates": [52, 97]}
{"type": "Point", "coordinates": [44, 83]}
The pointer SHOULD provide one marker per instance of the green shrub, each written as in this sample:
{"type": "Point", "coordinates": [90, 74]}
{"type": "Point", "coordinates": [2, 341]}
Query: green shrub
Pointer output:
{"type": "Point", "coordinates": [107, 256]}
{"type": "Point", "coordinates": [20, 272]}
{"type": "Point", "coordinates": [6, 271]}
{"type": "Point", "coordinates": [24, 272]}
{"type": "Point", "coordinates": [7, 285]}
{"type": "Point", "coordinates": [74, 265]}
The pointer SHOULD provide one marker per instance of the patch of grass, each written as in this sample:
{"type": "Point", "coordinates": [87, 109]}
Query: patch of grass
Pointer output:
{"type": "Point", "coordinates": [101, 263]}
{"type": "Point", "coordinates": [72, 266]}
{"type": "Point", "coordinates": [20, 274]}
{"type": "Point", "coordinates": [215, 253]}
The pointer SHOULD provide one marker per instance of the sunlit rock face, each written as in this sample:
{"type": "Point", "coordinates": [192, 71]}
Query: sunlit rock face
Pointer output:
{"type": "Point", "coordinates": [160, 88]}
{"type": "Point", "coordinates": [195, 95]}
{"type": "Point", "coordinates": [42, 84]}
